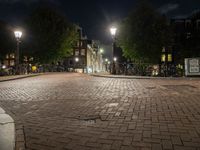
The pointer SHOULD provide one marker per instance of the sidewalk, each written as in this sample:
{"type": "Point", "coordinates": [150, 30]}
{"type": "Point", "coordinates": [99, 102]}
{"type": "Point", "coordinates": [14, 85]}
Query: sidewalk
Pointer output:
{"type": "Point", "coordinates": [15, 77]}
{"type": "Point", "coordinates": [107, 75]}
{"type": "Point", "coordinates": [7, 131]}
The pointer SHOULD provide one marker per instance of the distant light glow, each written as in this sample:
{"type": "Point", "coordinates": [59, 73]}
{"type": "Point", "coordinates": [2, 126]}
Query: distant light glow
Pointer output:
{"type": "Point", "coordinates": [113, 31]}
{"type": "Point", "coordinates": [106, 59]}
{"type": "Point", "coordinates": [115, 59]}
{"type": "Point", "coordinates": [18, 34]}
{"type": "Point", "coordinates": [89, 70]}
{"type": "Point", "coordinates": [101, 50]}
{"type": "Point", "coordinates": [76, 59]}
{"type": "Point", "coordinates": [3, 67]}
{"type": "Point", "coordinates": [34, 68]}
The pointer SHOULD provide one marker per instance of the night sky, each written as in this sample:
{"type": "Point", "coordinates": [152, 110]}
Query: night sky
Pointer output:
{"type": "Point", "coordinates": [95, 16]}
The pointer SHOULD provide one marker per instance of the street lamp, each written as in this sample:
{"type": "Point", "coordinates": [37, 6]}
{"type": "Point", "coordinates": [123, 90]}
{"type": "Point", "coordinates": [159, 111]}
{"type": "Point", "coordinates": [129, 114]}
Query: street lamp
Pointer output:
{"type": "Point", "coordinates": [113, 31]}
{"type": "Point", "coordinates": [115, 59]}
{"type": "Point", "coordinates": [76, 59]}
{"type": "Point", "coordinates": [18, 35]}
{"type": "Point", "coordinates": [106, 64]}
{"type": "Point", "coordinates": [101, 50]}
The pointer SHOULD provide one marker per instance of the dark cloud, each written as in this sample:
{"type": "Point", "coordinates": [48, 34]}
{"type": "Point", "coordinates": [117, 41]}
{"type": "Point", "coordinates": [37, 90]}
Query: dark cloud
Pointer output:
{"type": "Point", "coordinates": [168, 8]}
{"type": "Point", "coordinates": [95, 16]}
{"type": "Point", "coordinates": [11, 2]}
{"type": "Point", "coordinates": [17, 1]}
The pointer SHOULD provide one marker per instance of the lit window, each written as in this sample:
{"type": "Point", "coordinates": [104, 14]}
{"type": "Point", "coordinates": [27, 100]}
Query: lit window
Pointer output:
{"type": "Point", "coordinates": [169, 57]}
{"type": "Point", "coordinates": [83, 52]}
{"type": "Point", "coordinates": [12, 55]}
{"type": "Point", "coordinates": [76, 52]}
{"type": "Point", "coordinates": [163, 58]}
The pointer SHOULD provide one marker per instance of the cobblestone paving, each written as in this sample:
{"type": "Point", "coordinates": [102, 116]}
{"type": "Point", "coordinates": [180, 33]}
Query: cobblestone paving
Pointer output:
{"type": "Point", "coordinates": [80, 112]}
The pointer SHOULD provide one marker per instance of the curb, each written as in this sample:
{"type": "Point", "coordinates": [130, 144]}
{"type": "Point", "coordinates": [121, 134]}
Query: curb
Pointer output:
{"type": "Point", "coordinates": [141, 77]}
{"type": "Point", "coordinates": [7, 131]}
{"type": "Point", "coordinates": [20, 77]}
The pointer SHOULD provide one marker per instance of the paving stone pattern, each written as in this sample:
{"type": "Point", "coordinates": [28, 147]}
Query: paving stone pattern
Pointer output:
{"type": "Point", "coordinates": [80, 112]}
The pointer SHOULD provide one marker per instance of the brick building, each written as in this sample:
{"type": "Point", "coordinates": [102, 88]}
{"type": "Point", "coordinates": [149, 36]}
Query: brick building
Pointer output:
{"type": "Point", "coordinates": [186, 37]}
{"type": "Point", "coordinates": [86, 56]}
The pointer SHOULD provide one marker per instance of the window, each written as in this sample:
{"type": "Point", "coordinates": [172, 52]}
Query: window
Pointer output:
{"type": "Point", "coordinates": [12, 62]}
{"type": "Point", "coordinates": [12, 55]}
{"type": "Point", "coordinates": [198, 24]}
{"type": "Point", "coordinates": [187, 23]}
{"type": "Point", "coordinates": [70, 62]}
{"type": "Point", "coordinates": [188, 35]}
{"type": "Point", "coordinates": [76, 52]}
{"type": "Point", "coordinates": [169, 57]}
{"type": "Point", "coordinates": [163, 58]}
{"type": "Point", "coordinates": [83, 52]}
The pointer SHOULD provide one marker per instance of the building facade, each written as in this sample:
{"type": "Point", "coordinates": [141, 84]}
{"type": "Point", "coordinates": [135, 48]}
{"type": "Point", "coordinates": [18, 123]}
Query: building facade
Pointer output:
{"type": "Point", "coordinates": [85, 57]}
{"type": "Point", "coordinates": [186, 37]}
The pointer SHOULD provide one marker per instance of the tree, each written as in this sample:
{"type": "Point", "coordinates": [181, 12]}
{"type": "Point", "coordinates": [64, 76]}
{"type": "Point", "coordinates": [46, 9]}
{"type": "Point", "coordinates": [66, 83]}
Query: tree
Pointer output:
{"type": "Point", "coordinates": [143, 34]}
{"type": "Point", "coordinates": [51, 36]}
{"type": "Point", "coordinates": [7, 40]}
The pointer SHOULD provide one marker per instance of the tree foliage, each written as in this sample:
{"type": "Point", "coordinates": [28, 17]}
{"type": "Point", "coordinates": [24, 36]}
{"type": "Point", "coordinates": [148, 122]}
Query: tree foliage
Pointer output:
{"type": "Point", "coordinates": [143, 34]}
{"type": "Point", "coordinates": [7, 39]}
{"type": "Point", "coordinates": [51, 36]}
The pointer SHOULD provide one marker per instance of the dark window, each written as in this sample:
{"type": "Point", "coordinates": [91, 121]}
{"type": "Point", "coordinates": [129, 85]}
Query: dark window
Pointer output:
{"type": "Point", "coordinates": [71, 62]}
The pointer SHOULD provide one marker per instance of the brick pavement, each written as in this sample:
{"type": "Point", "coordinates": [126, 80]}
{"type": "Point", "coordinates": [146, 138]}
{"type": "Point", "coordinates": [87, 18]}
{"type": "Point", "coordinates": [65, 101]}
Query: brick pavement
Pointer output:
{"type": "Point", "coordinates": [80, 112]}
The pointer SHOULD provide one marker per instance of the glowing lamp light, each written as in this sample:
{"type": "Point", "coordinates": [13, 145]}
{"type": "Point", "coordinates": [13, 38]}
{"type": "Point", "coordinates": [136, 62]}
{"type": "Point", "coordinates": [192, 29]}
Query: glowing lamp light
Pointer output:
{"type": "Point", "coordinates": [34, 68]}
{"type": "Point", "coordinates": [76, 59]}
{"type": "Point", "coordinates": [101, 50]}
{"type": "Point", "coordinates": [3, 67]}
{"type": "Point", "coordinates": [113, 31]}
{"type": "Point", "coordinates": [106, 60]}
{"type": "Point", "coordinates": [115, 59]}
{"type": "Point", "coordinates": [18, 34]}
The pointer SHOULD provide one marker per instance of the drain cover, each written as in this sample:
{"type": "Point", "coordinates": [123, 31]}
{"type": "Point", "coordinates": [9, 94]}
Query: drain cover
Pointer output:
{"type": "Point", "coordinates": [151, 88]}
{"type": "Point", "coordinates": [89, 120]}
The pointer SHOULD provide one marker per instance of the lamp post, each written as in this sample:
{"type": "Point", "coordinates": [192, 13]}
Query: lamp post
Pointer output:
{"type": "Point", "coordinates": [113, 31]}
{"type": "Point", "coordinates": [101, 66]}
{"type": "Point", "coordinates": [76, 60]}
{"type": "Point", "coordinates": [106, 64]}
{"type": "Point", "coordinates": [18, 35]}
{"type": "Point", "coordinates": [101, 51]}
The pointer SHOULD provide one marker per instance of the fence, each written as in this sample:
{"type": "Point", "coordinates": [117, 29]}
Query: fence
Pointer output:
{"type": "Point", "coordinates": [145, 69]}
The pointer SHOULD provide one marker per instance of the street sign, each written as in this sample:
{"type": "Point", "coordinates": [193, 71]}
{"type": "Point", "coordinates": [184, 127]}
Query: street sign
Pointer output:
{"type": "Point", "coordinates": [192, 66]}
